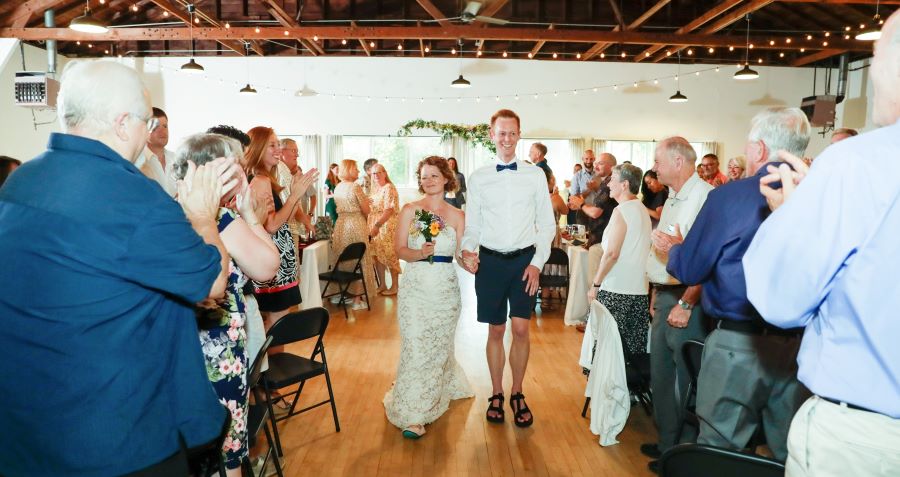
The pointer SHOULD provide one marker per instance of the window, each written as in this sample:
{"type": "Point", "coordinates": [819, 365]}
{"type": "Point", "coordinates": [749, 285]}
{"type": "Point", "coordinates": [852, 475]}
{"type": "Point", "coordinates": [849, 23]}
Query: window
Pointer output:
{"type": "Point", "coordinates": [398, 155]}
{"type": "Point", "coordinates": [640, 153]}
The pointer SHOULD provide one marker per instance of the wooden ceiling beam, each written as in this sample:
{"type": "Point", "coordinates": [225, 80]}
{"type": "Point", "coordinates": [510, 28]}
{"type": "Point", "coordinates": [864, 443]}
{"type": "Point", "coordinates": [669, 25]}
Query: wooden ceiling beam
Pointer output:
{"type": "Point", "coordinates": [286, 20]}
{"type": "Point", "coordinates": [617, 13]}
{"type": "Point", "coordinates": [695, 24]}
{"type": "Point", "coordinates": [362, 43]}
{"type": "Point", "coordinates": [180, 12]}
{"type": "Point", "coordinates": [427, 33]}
{"type": "Point", "coordinates": [845, 2]}
{"type": "Point", "coordinates": [803, 21]}
{"type": "Point", "coordinates": [538, 45]}
{"type": "Point", "coordinates": [600, 47]}
{"type": "Point", "coordinates": [434, 11]}
{"type": "Point", "coordinates": [21, 15]}
{"type": "Point", "coordinates": [812, 58]}
{"type": "Point", "coordinates": [723, 22]}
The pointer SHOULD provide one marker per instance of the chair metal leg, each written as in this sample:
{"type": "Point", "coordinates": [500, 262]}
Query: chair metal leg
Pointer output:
{"type": "Point", "coordinates": [337, 425]}
{"type": "Point", "coordinates": [275, 453]}
{"type": "Point", "coordinates": [584, 410]}
{"type": "Point", "coordinates": [272, 420]}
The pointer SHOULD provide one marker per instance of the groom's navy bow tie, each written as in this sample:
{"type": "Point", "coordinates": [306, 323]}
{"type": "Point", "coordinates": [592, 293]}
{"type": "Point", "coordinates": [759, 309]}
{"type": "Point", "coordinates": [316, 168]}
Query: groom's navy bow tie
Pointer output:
{"type": "Point", "coordinates": [511, 166]}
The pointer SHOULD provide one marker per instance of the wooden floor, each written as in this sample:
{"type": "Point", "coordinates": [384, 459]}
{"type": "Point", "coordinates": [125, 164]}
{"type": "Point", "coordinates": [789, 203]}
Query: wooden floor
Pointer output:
{"type": "Point", "coordinates": [363, 357]}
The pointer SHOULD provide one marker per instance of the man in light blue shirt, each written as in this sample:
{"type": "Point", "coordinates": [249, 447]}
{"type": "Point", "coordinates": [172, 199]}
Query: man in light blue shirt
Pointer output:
{"type": "Point", "coordinates": [581, 178]}
{"type": "Point", "coordinates": [827, 260]}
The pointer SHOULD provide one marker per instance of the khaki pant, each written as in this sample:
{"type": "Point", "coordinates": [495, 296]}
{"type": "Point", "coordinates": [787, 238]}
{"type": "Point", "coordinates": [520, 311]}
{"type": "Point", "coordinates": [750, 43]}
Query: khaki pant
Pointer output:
{"type": "Point", "coordinates": [828, 439]}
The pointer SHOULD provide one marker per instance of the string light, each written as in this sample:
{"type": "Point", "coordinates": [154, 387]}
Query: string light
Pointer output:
{"type": "Point", "coordinates": [668, 53]}
{"type": "Point", "coordinates": [577, 56]}
{"type": "Point", "coordinates": [824, 43]}
{"type": "Point", "coordinates": [690, 52]}
{"type": "Point", "coordinates": [712, 50]}
{"type": "Point", "coordinates": [504, 54]}
{"type": "Point", "coordinates": [771, 42]}
{"type": "Point", "coordinates": [134, 7]}
{"type": "Point", "coordinates": [227, 25]}
{"type": "Point", "coordinates": [399, 46]}
{"type": "Point", "coordinates": [530, 54]}
{"type": "Point", "coordinates": [730, 48]}
{"type": "Point", "coordinates": [802, 50]}
{"type": "Point", "coordinates": [285, 33]}
{"type": "Point", "coordinates": [602, 55]}
{"type": "Point", "coordinates": [344, 41]}
{"type": "Point", "coordinates": [453, 51]}
{"type": "Point", "coordinates": [315, 37]}
{"type": "Point", "coordinates": [555, 56]}
{"type": "Point", "coordinates": [781, 55]}
{"type": "Point", "coordinates": [809, 37]}
{"type": "Point", "coordinates": [372, 45]}
{"type": "Point", "coordinates": [623, 54]}
{"type": "Point", "coordinates": [478, 53]}
{"type": "Point", "coordinates": [827, 34]}
{"type": "Point", "coordinates": [427, 49]}
{"type": "Point", "coordinates": [165, 12]}
{"type": "Point", "coordinates": [257, 29]}
{"type": "Point", "coordinates": [788, 41]}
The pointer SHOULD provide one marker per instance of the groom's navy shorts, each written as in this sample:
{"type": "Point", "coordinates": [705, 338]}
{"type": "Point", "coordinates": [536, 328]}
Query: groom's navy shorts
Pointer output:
{"type": "Point", "coordinates": [499, 282]}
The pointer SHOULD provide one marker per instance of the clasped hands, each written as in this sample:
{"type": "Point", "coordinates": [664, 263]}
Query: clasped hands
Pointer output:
{"type": "Point", "coordinates": [469, 261]}
{"type": "Point", "coordinates": [664, 242]}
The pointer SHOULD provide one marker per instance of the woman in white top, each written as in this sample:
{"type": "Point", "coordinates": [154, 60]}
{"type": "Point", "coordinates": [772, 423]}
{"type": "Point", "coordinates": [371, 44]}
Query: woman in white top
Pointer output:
{"type": "Point", "coordinates": [620, 283]}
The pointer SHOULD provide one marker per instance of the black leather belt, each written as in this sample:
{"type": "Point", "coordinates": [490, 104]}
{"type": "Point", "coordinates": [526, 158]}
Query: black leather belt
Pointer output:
{"type": "Point", "coordinates": [664, 287]}
{"type": "Point", "coordinates": [851, 406]}
{"type": "Point", "coordinates": [513, 254]}
{"type": "Point", "coordinates": [756, 328]}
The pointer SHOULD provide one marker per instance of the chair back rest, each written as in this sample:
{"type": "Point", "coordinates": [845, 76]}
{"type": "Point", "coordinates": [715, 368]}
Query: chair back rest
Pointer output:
{"type": "Point", "coordinates": [299, 326]}
{"type": "Point", "coordinates": [558, 256]}
{"type": "Point", "coordinates": [256, 370]}
{"type": "Point", "coordinates": [354, 251]}
{"type": "Point", "coordinates": [692, 352]}
{"type": "Point", "coordinates": [698, 460]}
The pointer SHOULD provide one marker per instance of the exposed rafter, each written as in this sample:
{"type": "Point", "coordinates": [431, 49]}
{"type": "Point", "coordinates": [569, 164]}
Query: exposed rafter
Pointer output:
{"type": "Point", "coordinates": [286, 20]}
{"type": "Point", "coordinates": [618, 13]}
{"type": "Point", "coordinates": [697, 23]}
{"type": "Point", "coordinates": [180, 12]}
{"type": "Point", "coordinates": [21, 15]}
{"type": "Point", "coordinates": [723, 22]}
{"type": "Point", "coordinates": [805, 60]}
{"type": "Point", "coordinates": [539, 45]}
{"type": "Point", "coordinates": [411, 32]}
{"type": "Point", "coordinates": [434, 11]}
{"type": "Point", "coordinates": [600, 47]}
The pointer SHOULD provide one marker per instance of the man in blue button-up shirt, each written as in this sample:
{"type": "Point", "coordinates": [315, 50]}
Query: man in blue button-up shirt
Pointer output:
{"type": "Point", "coordinates": [748, 372]}
{"type": "Point", "coordinates": [102, 369]}
{"type": "Point", "coordinates": [827, 260]}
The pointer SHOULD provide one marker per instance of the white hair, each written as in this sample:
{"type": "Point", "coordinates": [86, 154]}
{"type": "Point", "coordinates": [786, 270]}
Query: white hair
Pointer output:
{"type": "Point", "coordinates": [679, 146]}
{"type": "Point", "coordinates": [93, 93]}
{"type": "Point", "coordinates": [781, 129]}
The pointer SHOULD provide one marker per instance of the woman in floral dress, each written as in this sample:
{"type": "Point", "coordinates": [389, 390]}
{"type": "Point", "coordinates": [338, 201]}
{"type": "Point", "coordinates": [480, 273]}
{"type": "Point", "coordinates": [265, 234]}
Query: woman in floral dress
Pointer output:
{"type": "Point", "coordinates": [353, 208]}
{"type": "Point", "coordinates": [223, 335]}
{"type": "Point", "coordinates": [383, 226]}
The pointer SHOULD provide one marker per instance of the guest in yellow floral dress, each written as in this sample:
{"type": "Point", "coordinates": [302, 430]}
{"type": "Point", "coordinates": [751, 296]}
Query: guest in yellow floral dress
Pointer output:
{"type": "Point", "coordinates": [383, 226]}
{"type": "Point", "coordinates": [353, 208]}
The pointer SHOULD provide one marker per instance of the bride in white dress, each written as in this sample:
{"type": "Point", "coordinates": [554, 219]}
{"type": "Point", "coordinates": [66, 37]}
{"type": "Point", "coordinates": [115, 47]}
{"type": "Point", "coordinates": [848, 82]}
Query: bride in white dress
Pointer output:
{"type": "Point", "coordinates": [428, 376]}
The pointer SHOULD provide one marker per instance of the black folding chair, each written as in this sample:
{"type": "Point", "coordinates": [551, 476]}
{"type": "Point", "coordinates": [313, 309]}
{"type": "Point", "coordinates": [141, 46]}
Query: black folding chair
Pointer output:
{"type": "Point", "coordinates": [286, 369]}
{"type": "Point", "coordinates": [344, 278]}
{"type": "Point", "coordinates": [555, 275]}
{"type": "Point", "coordinates": [698, 460]}
{"type": "Point", "coordinates": [692, 353]}
{"type": "Point", "coordinates": [259, 415]}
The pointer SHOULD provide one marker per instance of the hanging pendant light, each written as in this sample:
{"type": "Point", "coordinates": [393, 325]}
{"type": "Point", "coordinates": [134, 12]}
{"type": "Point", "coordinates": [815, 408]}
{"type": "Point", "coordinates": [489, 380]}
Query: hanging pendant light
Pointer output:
{"type": "Point", "coordinates": [874, 32]}
{"type": "Point", "coordinates": [747, 73]}
{"type": "Point", "coordinates": [460, 82]}
{"type": "Point", "coordinates": [87, 23]}
{"type": "Point", "coordinates": [247, 90]}
{"type": "Point", "coordinates": [678, 97]}
{"type": "Point", "coordinates": [192, 66]}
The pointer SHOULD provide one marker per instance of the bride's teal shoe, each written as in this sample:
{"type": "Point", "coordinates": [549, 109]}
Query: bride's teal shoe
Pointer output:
{"type": "Point", "coordinates": [413, 433]}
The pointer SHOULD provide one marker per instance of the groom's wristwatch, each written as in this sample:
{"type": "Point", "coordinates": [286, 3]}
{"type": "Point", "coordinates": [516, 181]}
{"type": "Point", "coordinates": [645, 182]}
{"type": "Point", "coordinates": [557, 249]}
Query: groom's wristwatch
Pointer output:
{"type": "Point", "coordinates": [685, 305]}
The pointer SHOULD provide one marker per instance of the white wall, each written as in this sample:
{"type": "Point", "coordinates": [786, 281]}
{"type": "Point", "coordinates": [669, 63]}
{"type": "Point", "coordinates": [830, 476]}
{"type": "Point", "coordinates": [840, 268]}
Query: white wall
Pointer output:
{"type": "Point", "coordinates": [719, 109]}
{"type": "Point", "coordinates": [19, 137]}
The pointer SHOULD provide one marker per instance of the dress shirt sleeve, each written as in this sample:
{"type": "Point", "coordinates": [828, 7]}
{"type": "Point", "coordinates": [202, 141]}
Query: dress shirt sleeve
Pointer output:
{"type": "Point", "coordinates": [545, 225]}
{"type": "Point", "coordinates": [693, 261]}
{"type": "Point", "coordinates": [166, 254]}
{"type": "Point", "coordinates": [802, 247]}
{"type": "Point", "coordinates": [472, 236]}
{"type": "Point", "coordinates": [575, 188]}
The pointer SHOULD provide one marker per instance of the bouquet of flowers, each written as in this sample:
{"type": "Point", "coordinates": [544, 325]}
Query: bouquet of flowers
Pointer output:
{"type": "Point", "coordinates": [429, 225]}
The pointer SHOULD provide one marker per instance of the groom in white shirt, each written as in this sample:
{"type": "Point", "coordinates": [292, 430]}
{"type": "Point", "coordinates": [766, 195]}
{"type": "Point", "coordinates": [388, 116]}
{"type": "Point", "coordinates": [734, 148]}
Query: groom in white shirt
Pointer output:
{"type": "Point", "coordinates": [509, 228]}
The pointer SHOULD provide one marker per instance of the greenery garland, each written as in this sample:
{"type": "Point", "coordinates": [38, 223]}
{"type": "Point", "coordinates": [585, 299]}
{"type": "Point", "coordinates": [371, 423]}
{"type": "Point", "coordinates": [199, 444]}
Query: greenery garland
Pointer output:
{"type": "Point", "coordinates": [478, 134]}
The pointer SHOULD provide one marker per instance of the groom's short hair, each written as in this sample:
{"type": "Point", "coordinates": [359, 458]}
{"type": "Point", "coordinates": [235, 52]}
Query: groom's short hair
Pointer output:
{"type": "Point", "coordinates": [506, 113]}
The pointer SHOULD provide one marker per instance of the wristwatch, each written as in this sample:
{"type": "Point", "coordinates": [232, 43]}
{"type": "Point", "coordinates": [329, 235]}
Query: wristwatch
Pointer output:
{"type": "Point", "coordinates": [685, 305]}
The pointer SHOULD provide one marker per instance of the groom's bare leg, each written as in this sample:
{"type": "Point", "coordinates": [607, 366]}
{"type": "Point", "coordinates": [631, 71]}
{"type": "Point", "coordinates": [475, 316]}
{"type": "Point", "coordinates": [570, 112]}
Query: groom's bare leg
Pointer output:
{"type": "Point", "coordinates": [496, 356]}
{"type": "Point", "coordinates": [518, 356]}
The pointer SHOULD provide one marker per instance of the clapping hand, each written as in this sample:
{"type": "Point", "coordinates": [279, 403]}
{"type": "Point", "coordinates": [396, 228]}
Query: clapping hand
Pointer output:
{"type": "Point", "coordinates": [788, 177]}
{"type": "Point", "coordinates": [575, 202]}
{"type": "Point", "coordinates": [301, 182]}
{"type": "Point", "coordinates": [202, 189]}
{"type": "Point", "coordinates": [664, 242]}
{"type": "Point", "coordinates": [251, 207]}
{"type": "Point", "coordinates": [470, 261]}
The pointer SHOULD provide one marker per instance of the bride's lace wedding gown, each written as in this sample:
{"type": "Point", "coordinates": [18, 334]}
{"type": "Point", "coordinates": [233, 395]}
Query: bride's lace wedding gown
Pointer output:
{"type": "Point", "coordinates": [428, 376]}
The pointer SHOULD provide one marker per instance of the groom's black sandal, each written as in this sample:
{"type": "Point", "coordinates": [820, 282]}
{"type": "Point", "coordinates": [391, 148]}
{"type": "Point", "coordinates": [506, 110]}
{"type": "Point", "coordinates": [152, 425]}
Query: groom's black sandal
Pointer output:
{"type": "Point", "coordinates": [518, 401]}
{"type": "Point", "coordinates": [498, 418]}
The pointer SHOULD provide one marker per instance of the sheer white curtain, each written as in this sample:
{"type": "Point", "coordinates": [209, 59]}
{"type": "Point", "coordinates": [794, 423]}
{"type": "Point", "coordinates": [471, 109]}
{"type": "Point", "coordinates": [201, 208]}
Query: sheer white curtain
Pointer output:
{"type": "Point", "coordinates": [311, 156]}
{"type": "Point", "coordinates": [576, 149]}
{"type": "Point", "coordinates": [708, 147]}
{"type": "Point", "coordinates": [462, 151]}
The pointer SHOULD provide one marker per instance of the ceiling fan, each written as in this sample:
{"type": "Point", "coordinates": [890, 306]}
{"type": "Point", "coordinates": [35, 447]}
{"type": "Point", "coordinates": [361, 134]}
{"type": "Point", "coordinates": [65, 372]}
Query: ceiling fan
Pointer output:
{"type": "Point", "coordinates": [470, 14]}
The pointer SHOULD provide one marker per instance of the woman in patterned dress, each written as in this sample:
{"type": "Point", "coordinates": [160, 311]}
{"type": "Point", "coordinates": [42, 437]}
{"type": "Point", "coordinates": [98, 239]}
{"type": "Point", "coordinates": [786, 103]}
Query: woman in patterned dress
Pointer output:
{"type": "Point", "coordinates": [353, 208]}
{"type": "Point", "coordinates": [277, 295]}
{"type": "Point", "coordinates": [383, 226]}
{"type": "Point", "coordinates": [223, 335]}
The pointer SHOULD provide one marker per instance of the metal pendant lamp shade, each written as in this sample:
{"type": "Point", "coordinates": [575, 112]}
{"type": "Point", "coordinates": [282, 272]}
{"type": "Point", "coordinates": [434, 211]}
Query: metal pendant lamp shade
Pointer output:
{"type": "Point", "coordinates": [87, 23]}
{"type": "Point", "coordinates": [678, 98]}
{"type": "Point", "coordinates": [460, 83]}
{"type": "Point", "coordinates": [192, 67]}
{"type": "Point", "coordinates": [746, 73]}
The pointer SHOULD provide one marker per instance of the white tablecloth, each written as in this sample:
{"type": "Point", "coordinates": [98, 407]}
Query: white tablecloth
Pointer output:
{"type": "Point", "coordinates": [315, 261]}
{"type": "Point", "coordinates": [582, 267]}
